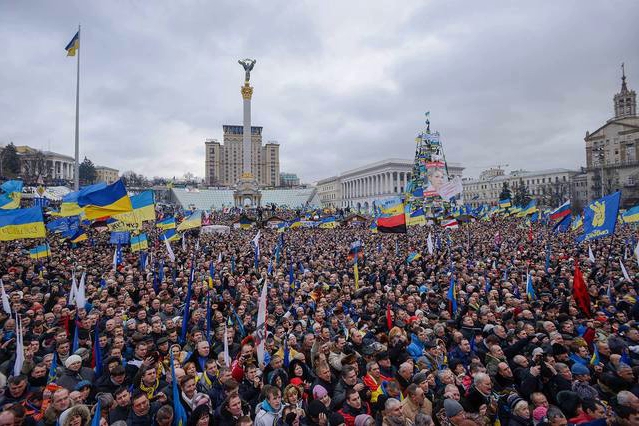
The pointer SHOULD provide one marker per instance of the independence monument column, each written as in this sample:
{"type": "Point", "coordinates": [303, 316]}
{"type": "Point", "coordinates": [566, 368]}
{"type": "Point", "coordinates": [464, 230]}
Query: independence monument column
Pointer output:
{"type": "Point", "coordinates": [247, 192]}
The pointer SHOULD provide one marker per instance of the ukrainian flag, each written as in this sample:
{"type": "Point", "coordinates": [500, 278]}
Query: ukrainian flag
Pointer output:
{"type": "Point", "coordinates": [193, 221]}
{"type": "Point", "coordinates": [168, 223]}
{"type": "Point", "coordinates": [328, 223]}
{"type": "Point", "coordinates": [12, 194]}
{"type": "Point", "coordinates": [21, 223]}
{"type": "Point", "coordinates": [139, 242]}
{"type": "Point", "coordinates": [108, 201]}
{"type": "Point", "coordinates": [143, 209]}
{"type": "Point", "coordinates": [373, 226]}
{"type": "Point", "coordinates": [295, 223]}
{"type": "Point", "coordinates": [631, 215]}
{"type": "Point", "coordinates": [73, 45]}
{"type": "Point", "coordinates": [416, 218]}
{"type": "Point", "coordinates": [79, 236]}
{"type": "Point", "coordinates": [40, 252]}
{"type": "Point", "coordinates": [530, 208]}
{"type": "Point", "coordinates": [70, 205]}
{"type": "Point", "coordinates": [170, 235]}
{"type": "Point", "coordinates": [577, 222]}
{"type": "Point", "coordinates": [413, 256]}
{"type": "Point", "coordinates": [281, 227]}
{"type": "Point", "coordinates": [504, 203]}
{"type": "Point", "coordinates": [245, 222]}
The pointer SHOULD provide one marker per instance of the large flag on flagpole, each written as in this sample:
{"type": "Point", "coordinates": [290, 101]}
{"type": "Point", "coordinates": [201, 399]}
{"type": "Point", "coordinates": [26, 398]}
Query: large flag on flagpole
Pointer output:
{"type": "Point", "coordinates": [72, 48]}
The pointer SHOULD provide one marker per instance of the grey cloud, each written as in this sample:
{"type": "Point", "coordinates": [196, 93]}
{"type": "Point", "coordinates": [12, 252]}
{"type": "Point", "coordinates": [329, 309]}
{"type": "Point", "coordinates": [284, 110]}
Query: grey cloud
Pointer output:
{"type": "Point", "coordinates": [338, 84]}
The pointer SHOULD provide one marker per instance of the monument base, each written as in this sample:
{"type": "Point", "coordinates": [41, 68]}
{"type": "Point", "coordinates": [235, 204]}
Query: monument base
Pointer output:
{"type": "Point", "coordinates": [247, 192]}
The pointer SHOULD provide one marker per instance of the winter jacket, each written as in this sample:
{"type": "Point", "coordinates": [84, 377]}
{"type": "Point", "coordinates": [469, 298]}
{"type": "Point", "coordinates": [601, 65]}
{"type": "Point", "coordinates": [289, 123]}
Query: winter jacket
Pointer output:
{"type": "Point", "coordinates": [266, 417]}
{"type": "Point", "coordinates": [416, 347]}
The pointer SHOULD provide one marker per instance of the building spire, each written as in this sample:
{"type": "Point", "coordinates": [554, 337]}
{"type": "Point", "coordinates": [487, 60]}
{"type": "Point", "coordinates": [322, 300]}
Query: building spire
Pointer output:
{"type": "Point", "coordinates": [624, 88]}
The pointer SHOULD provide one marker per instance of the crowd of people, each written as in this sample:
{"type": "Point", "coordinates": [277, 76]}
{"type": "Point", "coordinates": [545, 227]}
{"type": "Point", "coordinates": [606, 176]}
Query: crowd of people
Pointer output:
{"type": "Point", "coordinates": [385, 347]}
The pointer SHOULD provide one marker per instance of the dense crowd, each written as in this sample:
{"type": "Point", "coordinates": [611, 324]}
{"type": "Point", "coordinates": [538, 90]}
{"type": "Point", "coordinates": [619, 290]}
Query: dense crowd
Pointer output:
{"type": "Point", "coordinates": [389, 349]}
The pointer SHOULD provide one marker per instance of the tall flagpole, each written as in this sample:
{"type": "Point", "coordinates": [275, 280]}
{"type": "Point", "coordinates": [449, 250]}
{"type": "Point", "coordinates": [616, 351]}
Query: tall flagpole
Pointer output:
{"type": "Point", "coordinates": [76, 171]}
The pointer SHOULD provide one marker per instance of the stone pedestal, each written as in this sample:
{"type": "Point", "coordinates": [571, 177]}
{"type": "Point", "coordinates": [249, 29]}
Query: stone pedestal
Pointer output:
{"type": "Point", "coordinates": [247, 193]}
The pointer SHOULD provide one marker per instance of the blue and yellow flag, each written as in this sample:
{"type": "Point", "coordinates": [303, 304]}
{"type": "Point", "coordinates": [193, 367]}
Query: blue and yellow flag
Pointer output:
{"type": "Point", "coordinates": [452, 296]}
{"type": "Point", "coordinates": [170, 235]}
{"type": "Point", "coordinates": [139, 242]}
{"type": "Point", "coordinates": [529, 209]}
{"type": "Point", "coordinates": [631, 215]}
{"type": "Point", "coordinates": [328, 222]}
{"type": "Point", "coordinates": [143, 209]}
{"type": "Point", "coordinates": [193, 221]}
{"type": "Point", "coordinates": [594, 360]}
{"type": "Point", "coordinates": [504, 203]}
{"type": "Point", "coordinates": [373, 226]}
{"type": "Point", "coordinates": [108, 201]}
{"type": "Point", "coordinates": [21, 223]}
{"type": "Point", "coordinates": [416, 218]}
{"type": "Point", "coordinates": [577, 222]}
{"type": "Point", "coordinates": [282, 227]}
{"type": "Point", "coordinates": [79, 236]}
{"type": "Point", "coordinates": [413, 256]}
{"type": "Point", "coordinates": [70, 205]}
{"type": "Point", "coordinates": [11, 194]}
{"type": "Point", "coordinates": [40, 252]}
{"type": "Point", "coordinates": [73, 45]}
{"type": "Point", "coordinates": [600, 217]}
{"type": "Point", "coordinates": [168, 223]}
{"type": "Point", "coordinates": [295, 223]}
{"type": "Point", "coordinates": [530, 289]}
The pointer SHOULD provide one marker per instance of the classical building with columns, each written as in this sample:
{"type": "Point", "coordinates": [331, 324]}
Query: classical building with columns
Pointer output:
{"type": "Point", "coordinates": [48, 165]}
{"type": "Point", "coordinates": [358, 188]}
{"type": "Point", "coordinates": [373, 182]}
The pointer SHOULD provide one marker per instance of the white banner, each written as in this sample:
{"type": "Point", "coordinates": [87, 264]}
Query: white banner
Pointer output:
{"type": "Point", "coordinates": [451, 188]}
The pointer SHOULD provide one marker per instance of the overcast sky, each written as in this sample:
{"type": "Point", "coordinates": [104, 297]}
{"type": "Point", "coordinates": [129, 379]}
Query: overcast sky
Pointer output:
{"type": "Point", "coordinates": [337, 83]}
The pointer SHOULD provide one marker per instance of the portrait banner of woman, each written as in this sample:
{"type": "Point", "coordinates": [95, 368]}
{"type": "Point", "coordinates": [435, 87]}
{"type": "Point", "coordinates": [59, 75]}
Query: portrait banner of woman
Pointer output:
{"type": "Point", "coordinates": [437, 177]}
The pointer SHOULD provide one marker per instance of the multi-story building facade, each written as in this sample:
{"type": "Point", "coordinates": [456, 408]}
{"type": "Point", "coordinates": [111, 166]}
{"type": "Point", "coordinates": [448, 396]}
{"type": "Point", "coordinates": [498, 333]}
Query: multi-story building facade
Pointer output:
{"type": "Point", "coordinates": [223, 161]}
{"type": "Point", "coordinates": [374, 182]}
{"type": "Point", "coordinates": [612, 151]}
{"type": "Point", "coordinates": [329, 192]}
{"type": "Point", "coordinates": [549, 187]}
{"type": "Point", "coordinates": [106, 174]}
{"type": "Point", "coordinates": [46, 167]}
